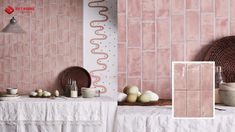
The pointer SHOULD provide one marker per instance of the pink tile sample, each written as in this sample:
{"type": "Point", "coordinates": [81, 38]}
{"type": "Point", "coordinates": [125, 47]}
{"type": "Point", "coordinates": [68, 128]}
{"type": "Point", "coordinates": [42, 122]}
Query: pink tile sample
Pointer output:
{"type": "Point", "coordinates": [193, 89]}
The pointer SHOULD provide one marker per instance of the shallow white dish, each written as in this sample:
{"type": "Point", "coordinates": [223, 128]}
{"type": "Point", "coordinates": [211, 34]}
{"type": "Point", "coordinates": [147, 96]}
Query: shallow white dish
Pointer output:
{"type": "Point", "coordinates": [227, 97]}
{"type": "Point", "coordinates": [9, 98]}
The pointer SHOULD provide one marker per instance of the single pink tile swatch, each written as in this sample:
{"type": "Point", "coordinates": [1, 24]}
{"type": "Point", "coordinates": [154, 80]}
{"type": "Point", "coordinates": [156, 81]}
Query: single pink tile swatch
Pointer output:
{"type": "Point", "coordinates": [193, 89]}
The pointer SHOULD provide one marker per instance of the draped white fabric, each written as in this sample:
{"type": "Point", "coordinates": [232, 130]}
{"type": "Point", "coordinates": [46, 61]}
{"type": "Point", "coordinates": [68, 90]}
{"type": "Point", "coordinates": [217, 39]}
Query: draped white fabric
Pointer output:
{"type": "Point", "coordinates": [57, 115]}
{"type": "Point", "coordinates": [159, 119]}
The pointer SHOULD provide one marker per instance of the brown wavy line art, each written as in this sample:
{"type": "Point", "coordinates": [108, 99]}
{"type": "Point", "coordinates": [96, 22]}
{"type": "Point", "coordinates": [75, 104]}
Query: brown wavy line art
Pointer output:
{"type": "Point", "coordinates": [95, 42]}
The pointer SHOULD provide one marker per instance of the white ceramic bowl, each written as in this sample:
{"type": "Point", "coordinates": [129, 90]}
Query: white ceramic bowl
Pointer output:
{"type": "Point", "coordinates": [231, 84]}
{"type": "Point", "coordinates": [12, 90]}
{"type": "Point", "coordinates": [88, 92]}
{"type": "Point", "coordinates": [227, 97]}
{"type": "Point", "coordinates": [226, 87]}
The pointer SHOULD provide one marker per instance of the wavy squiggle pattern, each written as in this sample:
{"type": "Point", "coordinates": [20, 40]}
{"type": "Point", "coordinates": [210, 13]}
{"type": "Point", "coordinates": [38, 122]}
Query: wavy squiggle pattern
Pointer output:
{"type": "Point", "coordinates": [96, 43]}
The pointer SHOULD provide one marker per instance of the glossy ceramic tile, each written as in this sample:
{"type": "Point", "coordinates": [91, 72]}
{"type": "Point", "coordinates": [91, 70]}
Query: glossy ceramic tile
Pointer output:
{"type": "Point", "coordinates": [176, 30]}
{"type": "Point", "coordinates": [193, 89]}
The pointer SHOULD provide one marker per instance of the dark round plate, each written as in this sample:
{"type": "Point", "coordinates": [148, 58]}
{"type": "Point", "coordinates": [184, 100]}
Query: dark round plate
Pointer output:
{"type": "Point", "coordinates": [222, 52]}
{"type": "Point", "coordinates": [79, 74]}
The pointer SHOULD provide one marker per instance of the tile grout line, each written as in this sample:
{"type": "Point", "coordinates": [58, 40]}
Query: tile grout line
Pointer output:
{"type": "Point", "coordinates": [199, 30]}
{"type": "Point", "coordinates": [229, 17]}
{"type": "Point", "coordinates": [170, 30]}
{"type": "Point", "coordinates": [141, 45]}
{"type": "Point", "coordinates": [155, 47]}
{"type": "Point", "coordinates": [186, 83]}
{"type": "Point", "coordinates": [200, 90]}
{"type": "Point", "coordinates": [214, 13]}
{"type": "Point", "coordinates": [126, 43]}
{"type": "Point", "coordinates": [200, 68]}
{"type": "Point", "coordinates": [185, 48]}
{"type": "Point", "coordinates": [30, 47]}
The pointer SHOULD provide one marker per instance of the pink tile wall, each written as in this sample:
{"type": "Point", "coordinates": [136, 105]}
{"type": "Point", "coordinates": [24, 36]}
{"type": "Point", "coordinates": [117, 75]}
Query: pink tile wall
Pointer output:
{"type": "Point", "coordinates": [53, 42]}
{"type": "Point", "coordinates": [152, 33]}
{"type": "Point", "coordinates": [193, 89]}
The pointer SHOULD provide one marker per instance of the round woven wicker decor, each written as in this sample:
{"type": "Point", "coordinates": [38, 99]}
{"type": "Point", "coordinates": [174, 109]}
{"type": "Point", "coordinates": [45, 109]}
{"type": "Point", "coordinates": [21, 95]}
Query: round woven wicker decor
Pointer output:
{"type": "Point", "coordinates": [222, 52]}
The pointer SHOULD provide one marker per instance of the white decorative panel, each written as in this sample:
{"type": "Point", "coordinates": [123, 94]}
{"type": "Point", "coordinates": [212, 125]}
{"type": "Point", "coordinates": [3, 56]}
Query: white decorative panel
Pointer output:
{"type": "Point", "coordinates": [100, 44]}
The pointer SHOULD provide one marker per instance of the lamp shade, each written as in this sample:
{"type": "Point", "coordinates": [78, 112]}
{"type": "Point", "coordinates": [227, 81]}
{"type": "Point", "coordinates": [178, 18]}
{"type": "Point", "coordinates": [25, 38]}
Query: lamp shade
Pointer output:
{"type": "Point", "coordinates": [13, 27]}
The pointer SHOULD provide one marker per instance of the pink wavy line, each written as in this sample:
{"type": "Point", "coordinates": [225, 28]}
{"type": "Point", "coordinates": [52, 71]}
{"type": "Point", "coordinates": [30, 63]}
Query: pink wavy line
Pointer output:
{"type": "Point", "coordinates": [99, 37]}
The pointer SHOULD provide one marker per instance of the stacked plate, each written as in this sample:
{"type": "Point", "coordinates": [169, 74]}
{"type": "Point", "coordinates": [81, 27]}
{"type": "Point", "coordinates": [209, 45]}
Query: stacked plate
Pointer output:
{"type": "Point", "coordinates": [227, 93]}
{"type": "Point", "coordinates": [5, 97]}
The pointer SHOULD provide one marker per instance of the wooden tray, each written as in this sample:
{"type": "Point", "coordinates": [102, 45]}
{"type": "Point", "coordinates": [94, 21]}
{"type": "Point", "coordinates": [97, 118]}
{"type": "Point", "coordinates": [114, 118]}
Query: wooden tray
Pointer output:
{"type": "Point", "coordinates": [79, 74]}
{"type": "Point", "coordinates": [39, 96]}
{"type": "Point", "coordinates": [222, 52]}
{"type": "Point", "coordinates": [161, 102]}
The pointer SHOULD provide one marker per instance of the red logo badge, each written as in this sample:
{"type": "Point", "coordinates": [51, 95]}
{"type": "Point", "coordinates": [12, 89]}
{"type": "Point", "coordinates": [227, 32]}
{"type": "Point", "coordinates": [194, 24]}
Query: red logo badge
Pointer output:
{"type": "Point", "coordinates": [9, 10]}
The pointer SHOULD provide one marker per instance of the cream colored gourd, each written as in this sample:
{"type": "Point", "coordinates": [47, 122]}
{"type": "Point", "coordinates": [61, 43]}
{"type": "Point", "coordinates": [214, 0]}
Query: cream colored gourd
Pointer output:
{"type": "Point", "coordinates": [131, 98]}
{"type": "Point", "coordinates": [144, 98]}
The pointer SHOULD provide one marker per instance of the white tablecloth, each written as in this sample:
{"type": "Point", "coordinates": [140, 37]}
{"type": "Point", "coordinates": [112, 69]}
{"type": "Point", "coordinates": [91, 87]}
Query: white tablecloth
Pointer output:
{"type": "Point", "coordinates": [57, 115]}
{"type": "Point", "coordinates": [159, 119]}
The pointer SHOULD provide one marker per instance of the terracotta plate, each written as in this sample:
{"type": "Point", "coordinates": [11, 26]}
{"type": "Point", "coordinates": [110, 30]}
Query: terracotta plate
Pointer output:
{"type": "Point", "coordinates": [79, 74]}
{"type": "Point", "coordinates": [222, 52]}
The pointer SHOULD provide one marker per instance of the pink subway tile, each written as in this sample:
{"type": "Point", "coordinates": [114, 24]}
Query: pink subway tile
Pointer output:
{"type": "Point", "coordinates": [193, 76]}
{"type": "Point", "coordinates": [232, 11]}
{"type": "Point", "coordinates": [162, 8]}
{"type": "Point", "coordinates": [148, 36]}
{"type": "Point", "coordinates": [121, 28]}
{"type": "Point", "coordinates": [163, 32]}
{"type": "Point", "coordinates": [232, 29]}
{"type": "Point", "coordinates": [134, 62]}
{"type": "Point", "coordinates": [148, 5]}
{"type": "Point", "coordinates": [221, 27]}
{"type": "Point", "coordinates": [193, 49]}
{"type": "Point", "coordinates": [148, 66]}
{"type": "Point", "coordinates": [193, 105]}
{"type": "Point", "coordinates": [148, 10]}
{"type": "Point", "coordinates": [221, 8]}
{"type": "Point", "coordinates": [207, 27]}
{"type": "Point", "coordinates": [134, 8]}
{"type": "Point", "coordinates": [163, 62]}
{"type": "Point", "coordinates": [207, 103]}
{"type": "Point", "coordinates": [180, 104]}
{"type": "Point", "coordinates": [177, 6]}
{"type": "Point", "coordinates": [122, 58]}
{"type": "Point", "coordinates": [49, 63]}
{"type": "Point", "coordinates": [134, 33]}
{"type": "Point", "coordinates": [207, 19]}
{"type": "Point", "coordinates": [207, 5]}
{"type": "Point", "coordinates": [36, 65]}
{"type": "Point", "coordinates": [121, 6]}
{"type": "Point", "coordinates": [121, 81]}
{"type": "Point", "coordinates": [149, 85]}
{"type": "Point", "coordinates": [134, 81]}
{"type": "Point", "coordinates": [207, 76]}
{"type": "Point", "coordinates": [192, 4]}
{"type": "Point", "coordinates": [177, 28]}
{"type": "Point", "coordinates": [148, 15]}
{"type": "Point", "coordinates": [1, 78]}
{"type": "Point", "coordinates": [163, 88]}
{"type": "Point", "coordinates": [192, 25]}
{"type": "Point", "coordinates": [180, 76]}
{"type": "Point", "coordinates": [177, 53]}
